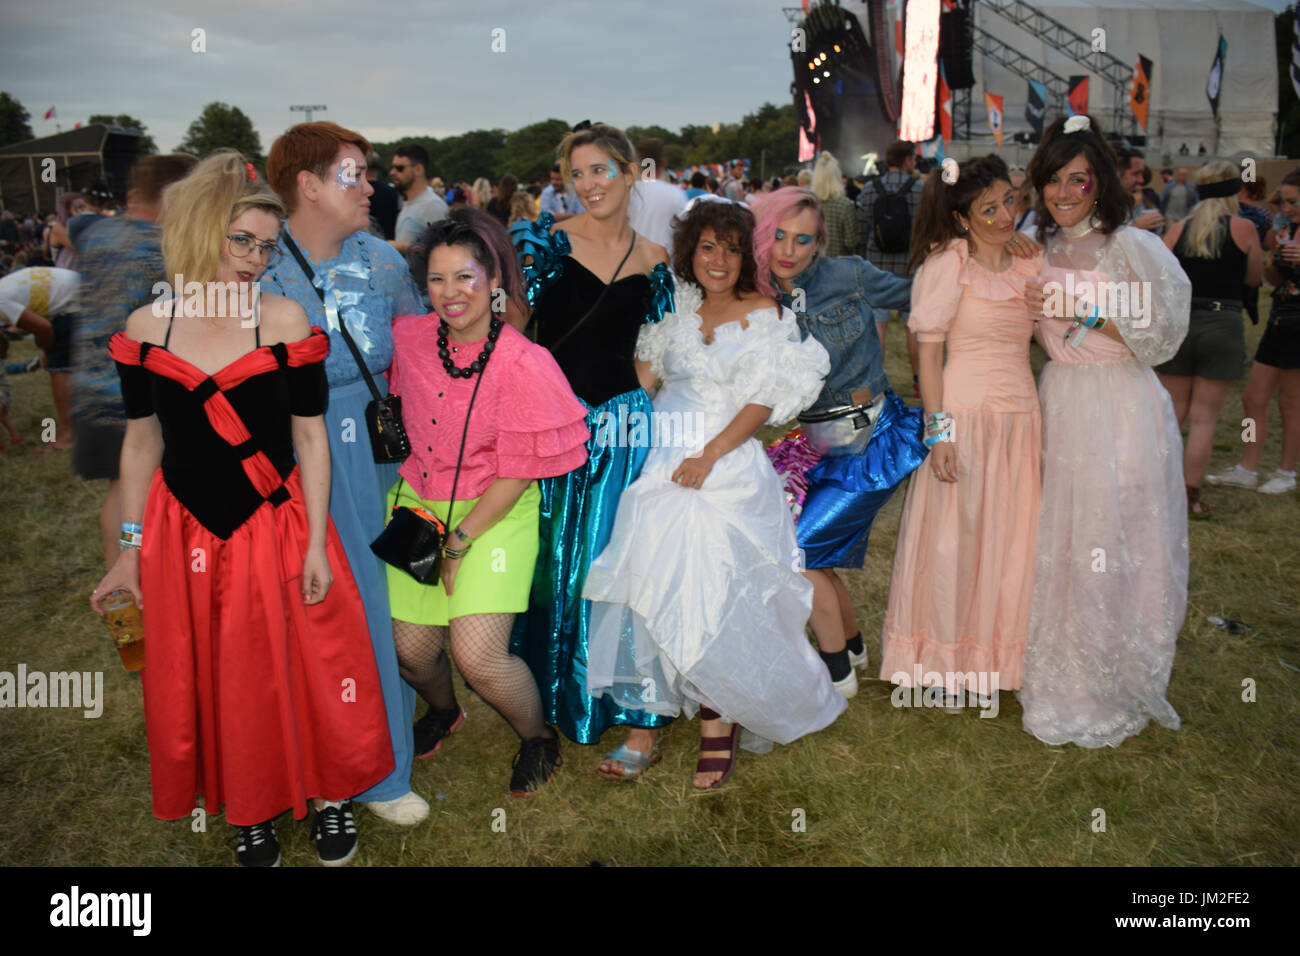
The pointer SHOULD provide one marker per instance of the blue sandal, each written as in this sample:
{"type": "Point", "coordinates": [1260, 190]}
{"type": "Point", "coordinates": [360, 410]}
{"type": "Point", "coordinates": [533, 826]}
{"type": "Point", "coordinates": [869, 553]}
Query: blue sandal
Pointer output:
{"type": "Point", "coordinates": [634, 762]}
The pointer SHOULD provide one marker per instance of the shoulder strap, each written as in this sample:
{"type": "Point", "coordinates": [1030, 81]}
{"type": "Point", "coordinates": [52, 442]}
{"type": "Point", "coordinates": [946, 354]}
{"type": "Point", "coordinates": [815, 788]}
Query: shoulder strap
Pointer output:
{"type": "Point", "coordinates": [343, 326]}
{"type": "Point", "coordinates": [599, 299]}
{"type": "Point", "coordinates": [168, 337]}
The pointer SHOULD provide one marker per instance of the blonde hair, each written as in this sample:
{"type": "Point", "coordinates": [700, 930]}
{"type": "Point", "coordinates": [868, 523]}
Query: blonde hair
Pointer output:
{"type": "Point", "coordinates": [804, 179]}
{"type": "Point", "coordinates": [610, 140]}
{"type": "Point", "coordinates": [1205, 230]}
{"type": "Point", "coordinates": [827, 178]}
{"type": "Point", "coordinates": [198, 209]}
{"type": "Point", "coordinates": [521, 207]}
{"type": "Point", "coordinates": [482, 192]}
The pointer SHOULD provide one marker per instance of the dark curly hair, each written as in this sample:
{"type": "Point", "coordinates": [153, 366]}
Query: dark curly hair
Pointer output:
{"type": "Point", "coordinates": [488, 242]}
{"type": "Point", "coordinates": [1058, 147]}
{"type": "Point", "coordinates": [936, 223]}
{"type": "Point", "coordinates": [731, 222]}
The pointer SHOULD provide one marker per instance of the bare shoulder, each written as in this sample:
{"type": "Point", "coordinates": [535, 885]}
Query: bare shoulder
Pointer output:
{"type": "Point", "coordinates": [149, 322]}
{"type": "Point", "coordinates": [1243, 231]}
{"type": "Point", "coordinates": [651, 253]}
{"type": "Point", "coordinates": [282, 319]}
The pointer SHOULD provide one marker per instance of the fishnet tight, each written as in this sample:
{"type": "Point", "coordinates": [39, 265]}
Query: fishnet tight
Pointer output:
{"type": "Point", "coordinates": [480, 643]}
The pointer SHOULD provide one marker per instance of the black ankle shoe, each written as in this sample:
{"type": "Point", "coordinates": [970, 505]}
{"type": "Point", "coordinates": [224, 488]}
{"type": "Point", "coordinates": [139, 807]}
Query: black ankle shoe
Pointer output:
{"type": "Point", "coordinates": [432, 727]}
{"type": "Point", "coordinates": [335, 833]}
{"type": "Point", "coordinates": [257, 845]}
{"type": "Point", "coordinates": [535, 764]}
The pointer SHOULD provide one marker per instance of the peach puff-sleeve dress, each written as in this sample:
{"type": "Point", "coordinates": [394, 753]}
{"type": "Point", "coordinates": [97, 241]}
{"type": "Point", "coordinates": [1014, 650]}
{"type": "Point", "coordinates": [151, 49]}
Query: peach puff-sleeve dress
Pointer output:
{"type": "Point", "coordinates": [962, 583]}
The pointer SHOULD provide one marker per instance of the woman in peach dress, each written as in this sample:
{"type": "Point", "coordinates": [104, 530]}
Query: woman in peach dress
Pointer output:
{"type": "Point", "coordinates": [963, 569]}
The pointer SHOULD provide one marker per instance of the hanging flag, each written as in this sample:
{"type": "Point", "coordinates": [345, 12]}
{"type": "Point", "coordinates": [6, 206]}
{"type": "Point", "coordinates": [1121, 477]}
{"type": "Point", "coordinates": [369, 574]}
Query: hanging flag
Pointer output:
{"type": "Point", "coordinates": [1077, 100]}
{"type": "Point", "coordinates": [933, 149]}
{"type": "Point", "coordinates": [1036, 106]}
{"type": "Point", "coordinates": [1214, 84]}
{"type": "Point", "coordinates": [994, 104]}
{"type": "Point", "coordinates": [49, 114]}
{"type": "Point", "coordinates": [1295, 57]}
{"type": "Point", "coordinates": [1139, 97]}
{"type": "Point", "coordinates": [945, 106]}
{"type": "Point", "coordinates": [76, 126]}
{"type": "Point", "coordinates": [806, 149]}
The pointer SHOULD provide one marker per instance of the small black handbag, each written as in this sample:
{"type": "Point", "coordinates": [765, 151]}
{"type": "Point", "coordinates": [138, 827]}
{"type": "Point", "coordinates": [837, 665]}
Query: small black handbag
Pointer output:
{"type": "Point", "coordinates": [412, 542]}
{"type": "Point", "coordinates": [388, 440]}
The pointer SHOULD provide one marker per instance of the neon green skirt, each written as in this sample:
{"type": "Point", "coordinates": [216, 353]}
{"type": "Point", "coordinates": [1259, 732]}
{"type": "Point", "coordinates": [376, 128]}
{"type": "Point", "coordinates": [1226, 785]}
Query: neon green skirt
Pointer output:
{"type": "Point", "coordinates": [494, 578]}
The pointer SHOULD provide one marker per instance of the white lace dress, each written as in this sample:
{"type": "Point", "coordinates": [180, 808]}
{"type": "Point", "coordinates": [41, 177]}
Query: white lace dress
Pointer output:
{"type": "Point", "coordinates": [698, 598]}
{"type": "Point", "coordinates": [1110, 586]}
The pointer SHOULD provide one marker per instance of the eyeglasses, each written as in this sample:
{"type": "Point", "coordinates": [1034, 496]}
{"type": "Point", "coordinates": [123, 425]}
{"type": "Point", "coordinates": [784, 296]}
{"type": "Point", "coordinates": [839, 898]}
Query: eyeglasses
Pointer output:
{"type": "Point", "coordinates": [241, 246]}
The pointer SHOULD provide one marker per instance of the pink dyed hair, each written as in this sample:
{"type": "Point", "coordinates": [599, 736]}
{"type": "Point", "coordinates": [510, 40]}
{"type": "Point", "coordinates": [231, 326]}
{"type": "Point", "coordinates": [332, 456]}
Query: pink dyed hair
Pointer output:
{"type": "Point", "coordinates": [775, 208]}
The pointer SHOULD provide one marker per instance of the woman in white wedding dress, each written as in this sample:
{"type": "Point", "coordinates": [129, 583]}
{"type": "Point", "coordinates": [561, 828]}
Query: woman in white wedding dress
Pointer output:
{"type": "Point", "coordinates": [1110, 586]}
{"type": "Point", "coordinates": [698, 599]}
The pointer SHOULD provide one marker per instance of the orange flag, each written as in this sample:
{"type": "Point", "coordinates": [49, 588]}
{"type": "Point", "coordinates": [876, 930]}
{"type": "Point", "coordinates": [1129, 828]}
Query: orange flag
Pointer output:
{"type": "Point", "coordinates": [994, 104]}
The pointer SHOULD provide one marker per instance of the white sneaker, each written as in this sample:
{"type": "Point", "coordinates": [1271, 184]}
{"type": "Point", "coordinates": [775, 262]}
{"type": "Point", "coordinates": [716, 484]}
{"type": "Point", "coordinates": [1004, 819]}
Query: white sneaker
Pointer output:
{"type": "Point", "coordinates": [1236, 477]}
{"type": "Point", "coordinates": [1279, 484]}
{"type": "Point", "coordinates": [847, 687]}
{"type": "Point", "coordinates": [858, 660]}
{"type": "Point", "coordinates": [408, 809]}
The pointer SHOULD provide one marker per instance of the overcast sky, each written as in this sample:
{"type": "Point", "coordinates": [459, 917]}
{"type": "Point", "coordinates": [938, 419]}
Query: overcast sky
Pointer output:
{"type": "Point", "coordinates": [393, 68]}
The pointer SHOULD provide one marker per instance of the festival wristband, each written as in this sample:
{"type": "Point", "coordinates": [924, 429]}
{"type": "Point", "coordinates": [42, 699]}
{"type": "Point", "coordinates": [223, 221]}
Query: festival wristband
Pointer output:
{"type": "Point", "coordinates": [453, 554]}
{"type": "Point", "coordinates": [131, 540]}
{"type": "Point", "coordinates": [132, 526]}
{"type": "Point", "coordinates": [932, 440]}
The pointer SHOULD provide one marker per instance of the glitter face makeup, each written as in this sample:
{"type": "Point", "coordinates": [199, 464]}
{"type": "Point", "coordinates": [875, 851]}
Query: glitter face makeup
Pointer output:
{"type": "Point", "coordinates": [1086, 188]}
{"type": "Point", "coordinates": [611, 172]}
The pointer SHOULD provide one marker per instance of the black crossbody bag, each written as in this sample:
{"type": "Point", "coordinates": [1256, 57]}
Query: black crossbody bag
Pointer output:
{"type": "Point", "coordinates": [388, 440]}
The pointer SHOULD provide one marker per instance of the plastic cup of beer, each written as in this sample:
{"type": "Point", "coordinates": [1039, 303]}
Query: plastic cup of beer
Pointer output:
{"type": "Point", "coordinates": [126, 626]}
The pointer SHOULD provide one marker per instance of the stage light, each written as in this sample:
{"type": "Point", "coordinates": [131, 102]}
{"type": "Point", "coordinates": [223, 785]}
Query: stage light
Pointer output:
{"type": "Point", "coordinates": [837, 48]}
{"type": "Point", "coordinates": [817, 79]}
{"type": "Point", "coordinates": [826, 72]}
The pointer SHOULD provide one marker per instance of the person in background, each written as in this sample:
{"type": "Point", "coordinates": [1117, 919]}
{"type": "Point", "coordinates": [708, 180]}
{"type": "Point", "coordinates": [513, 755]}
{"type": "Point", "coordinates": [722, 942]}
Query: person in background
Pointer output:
{"type": "Point", "coordinates": [386, 201]}
{"type": "Point", "coordinates": [886, 210]}
{"type": "Point", "coordinates": [45, 302]}
{"type": "Point", "coordinates": [804, 179]}
{"type": "Point", "coordinates": [318, 169]}
{"type": "Point", "coordinates": [1131, 165]}
{"type": "Point", "coordinates": [1220, 252]}
{"type": "Point", "coordinates": [499, 204]}
{"type": "Point", "coordinates": [1276, 369]}
{"type": "Point", "coordinates": [655, 203]}
{"type": "Point", "coordinates": [422, 206]}
{"type": "Point", "coordinates": [557, 199]}
{"type": "Point", "coordinates": [121, 262]}
{"type": "Point", "coordinates": [699, 182]}
{"type": "Point", "coordinates": [841, 225]}
{"type": "Point", "coordinates": [60, 246]}
{"type": "Point", "coordinates": [1178, 197]}
{"type": "Point", "coordinates": [97, 197]}
{"type": "Point", "coordinates": [1026, 218]}
{"type": "Point", "coordinates": [522, 208]}
{"type": "Point", "coordinates": [479, 193]}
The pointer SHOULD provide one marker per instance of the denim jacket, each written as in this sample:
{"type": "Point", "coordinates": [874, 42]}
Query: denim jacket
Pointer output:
{"type": "Point", "coordinates": [839, 295]}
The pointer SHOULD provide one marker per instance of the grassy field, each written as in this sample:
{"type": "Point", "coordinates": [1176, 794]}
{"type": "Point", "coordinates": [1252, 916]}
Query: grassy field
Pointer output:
{"type": "Point", "coordinates": [882, 786]}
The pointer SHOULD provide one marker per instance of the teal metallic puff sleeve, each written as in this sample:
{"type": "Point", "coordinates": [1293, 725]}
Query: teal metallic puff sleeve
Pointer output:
{"type": "Point", "coordinates": [545, 254]}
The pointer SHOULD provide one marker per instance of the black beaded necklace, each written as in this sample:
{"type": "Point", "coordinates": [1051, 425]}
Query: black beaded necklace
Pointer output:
{"type": "Point", "coordinates": [476, 366]}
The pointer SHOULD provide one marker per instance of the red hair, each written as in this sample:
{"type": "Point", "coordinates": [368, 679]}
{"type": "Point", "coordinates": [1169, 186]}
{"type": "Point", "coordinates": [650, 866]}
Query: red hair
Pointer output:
{"type": "Point", "coordinates": [311, 147]}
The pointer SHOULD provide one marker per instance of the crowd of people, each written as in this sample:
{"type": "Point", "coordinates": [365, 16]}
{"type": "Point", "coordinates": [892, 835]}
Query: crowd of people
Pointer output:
{"type": "Point", "coordinates": [450, 359]}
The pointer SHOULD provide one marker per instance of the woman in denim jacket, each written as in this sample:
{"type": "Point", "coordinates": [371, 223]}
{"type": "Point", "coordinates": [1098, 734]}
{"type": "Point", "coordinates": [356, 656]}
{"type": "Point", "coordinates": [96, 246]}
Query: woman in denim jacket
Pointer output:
{"type": "Point", "coordinates": [833, 299]}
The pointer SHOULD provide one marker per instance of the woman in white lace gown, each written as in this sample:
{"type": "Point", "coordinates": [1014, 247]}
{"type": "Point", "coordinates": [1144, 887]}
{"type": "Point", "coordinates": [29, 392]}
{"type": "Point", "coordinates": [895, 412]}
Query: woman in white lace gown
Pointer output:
{"type": "Point", "coordinates": [1110, 587]}
{"type": "Point", "coordinates": [698, 601]}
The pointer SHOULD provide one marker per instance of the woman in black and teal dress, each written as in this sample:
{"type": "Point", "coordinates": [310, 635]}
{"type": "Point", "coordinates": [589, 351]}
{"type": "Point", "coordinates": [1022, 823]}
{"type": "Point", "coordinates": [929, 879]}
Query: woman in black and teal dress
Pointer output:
{"type": "Point", "coordinates": [592, 285]}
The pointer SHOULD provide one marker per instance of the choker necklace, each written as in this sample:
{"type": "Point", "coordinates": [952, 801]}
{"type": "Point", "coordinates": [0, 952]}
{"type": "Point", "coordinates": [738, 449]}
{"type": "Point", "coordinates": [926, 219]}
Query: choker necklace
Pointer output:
{"type": "Point", "coordinates": [1082, 228]}
{"type": "Point", "coordinates": [494, 330]}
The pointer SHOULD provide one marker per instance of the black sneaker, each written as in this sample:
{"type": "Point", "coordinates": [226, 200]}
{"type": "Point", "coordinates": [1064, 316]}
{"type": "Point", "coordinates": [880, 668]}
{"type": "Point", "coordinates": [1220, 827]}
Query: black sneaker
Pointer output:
{"type": "Point", "coordinates": [257, 845]}
{"type": "Point", "coordinates": [535, 764]}
{"type": "Point", "coordinates": [335, 833]}
{"type": "Point", "coordinates": [432, 727]}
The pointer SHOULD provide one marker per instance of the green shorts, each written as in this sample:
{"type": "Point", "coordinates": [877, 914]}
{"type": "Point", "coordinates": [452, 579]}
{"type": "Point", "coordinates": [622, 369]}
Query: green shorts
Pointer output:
{"type": "Point", "coordinates": [1215, 347]}
{"type": "Point", "coordinates": [494, 578]}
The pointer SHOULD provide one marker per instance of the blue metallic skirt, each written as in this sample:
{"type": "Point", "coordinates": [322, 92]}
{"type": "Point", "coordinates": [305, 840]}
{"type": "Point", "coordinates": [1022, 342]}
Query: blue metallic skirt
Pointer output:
{"type": "Point", "coordinates": [577, 518]}
{"type": "Point", "coordinates": [845, 493]}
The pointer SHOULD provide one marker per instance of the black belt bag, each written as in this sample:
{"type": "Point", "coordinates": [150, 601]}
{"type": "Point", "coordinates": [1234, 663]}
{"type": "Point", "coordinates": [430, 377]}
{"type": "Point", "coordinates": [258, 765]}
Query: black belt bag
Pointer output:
{"type": "Point", "coordinates": [844, 430]}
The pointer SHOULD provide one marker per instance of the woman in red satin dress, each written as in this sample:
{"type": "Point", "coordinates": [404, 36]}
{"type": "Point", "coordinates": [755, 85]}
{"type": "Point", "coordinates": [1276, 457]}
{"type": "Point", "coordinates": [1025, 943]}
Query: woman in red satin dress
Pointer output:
{"type": "Point", "coordinates": [260, 685]}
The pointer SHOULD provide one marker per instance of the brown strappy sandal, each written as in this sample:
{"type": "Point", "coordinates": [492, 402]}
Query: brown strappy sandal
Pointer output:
{"type": "Point", "coordinates": [1196, 508]}
{"type": "Point", "coordinates": [712, 764]}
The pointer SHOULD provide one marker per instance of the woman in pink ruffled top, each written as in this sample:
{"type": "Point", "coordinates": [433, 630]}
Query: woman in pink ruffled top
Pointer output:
{"type": "Point", "coordinates": [461, 361]}
{"type": "Point", "coordinates": [963, 569]}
